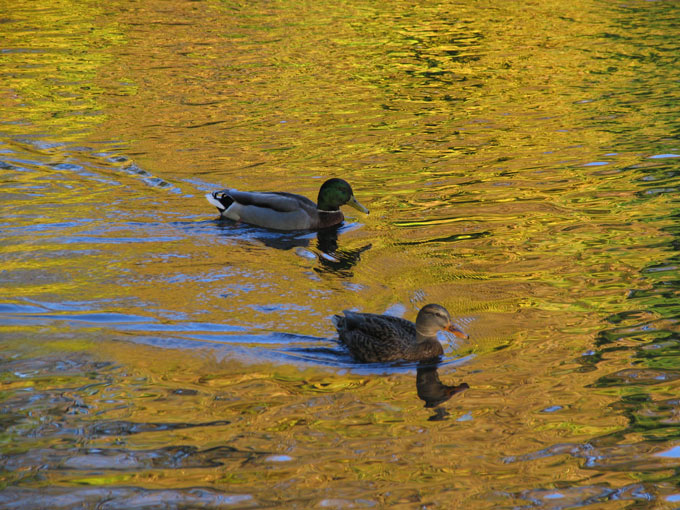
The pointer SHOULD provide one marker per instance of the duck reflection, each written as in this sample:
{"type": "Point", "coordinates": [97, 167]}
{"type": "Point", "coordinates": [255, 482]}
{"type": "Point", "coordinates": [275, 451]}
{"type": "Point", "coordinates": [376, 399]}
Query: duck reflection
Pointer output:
{"type": "Point", "coordinates": [432, 391]}
{"type": "Point", "coordinates": [331, 258]}
{"type": "Point", "coordinates": [271, 238]}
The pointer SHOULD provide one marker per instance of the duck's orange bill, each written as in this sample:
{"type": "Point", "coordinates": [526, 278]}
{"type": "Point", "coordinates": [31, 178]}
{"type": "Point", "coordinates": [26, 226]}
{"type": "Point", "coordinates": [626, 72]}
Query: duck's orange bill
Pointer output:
{"type": "Point", "coordinates": [453, 329]}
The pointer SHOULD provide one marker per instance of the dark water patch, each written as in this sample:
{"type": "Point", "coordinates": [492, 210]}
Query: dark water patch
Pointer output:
{"type": "Point", "coordinates": [109, 498]}
{"type": "Point", "coordinates": [182, 391]}
{"type": "Point", "coordinates": [623, 457]}
{"type": "Point", "coordinates": [584, 496]}
{"type": "Point", "coordinates": [451, 238]}
{"type": "Point", "coordinates": [638, 376]}
{"type": "Point", "coordinates": [657, 419]}
{"type": "Point", "coordinates": [118, 459]}
{"type": "Point", "coordinates": [52, 366]}
{"type": "Point", "coordinates": [125, 428]}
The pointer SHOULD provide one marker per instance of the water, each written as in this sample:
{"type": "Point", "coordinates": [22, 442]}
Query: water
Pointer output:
{"type": "Point", "coordinates": [521, 163]}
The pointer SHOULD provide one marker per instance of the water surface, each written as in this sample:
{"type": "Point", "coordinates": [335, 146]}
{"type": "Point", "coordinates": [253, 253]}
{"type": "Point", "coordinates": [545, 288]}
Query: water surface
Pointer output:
{"type": "Point", "coordinates": [521, 163]}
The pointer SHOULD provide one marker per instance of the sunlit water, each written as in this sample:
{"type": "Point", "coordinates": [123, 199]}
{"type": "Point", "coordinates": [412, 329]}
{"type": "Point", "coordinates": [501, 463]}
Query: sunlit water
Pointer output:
{"type": "Point", "coordinates": [520, 160]}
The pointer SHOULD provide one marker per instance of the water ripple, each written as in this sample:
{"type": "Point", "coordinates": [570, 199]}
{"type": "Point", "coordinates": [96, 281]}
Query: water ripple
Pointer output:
{"type": "Point", "coordinates": [123, 497]}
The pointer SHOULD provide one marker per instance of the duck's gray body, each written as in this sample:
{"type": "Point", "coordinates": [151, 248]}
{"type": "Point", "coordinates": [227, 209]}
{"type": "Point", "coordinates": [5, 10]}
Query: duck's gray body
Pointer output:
{"type": "Point", "coordinates": [287, 211]}
{"type": "Point", "coordinates": [275, 210]}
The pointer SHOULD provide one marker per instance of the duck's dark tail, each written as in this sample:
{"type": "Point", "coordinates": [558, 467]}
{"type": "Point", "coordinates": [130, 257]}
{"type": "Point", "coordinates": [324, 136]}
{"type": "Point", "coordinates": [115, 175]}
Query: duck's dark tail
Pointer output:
{"type": "Point", "coordinates": [220, 199]}
{"type": "Point", "coordinates": [338, 321]}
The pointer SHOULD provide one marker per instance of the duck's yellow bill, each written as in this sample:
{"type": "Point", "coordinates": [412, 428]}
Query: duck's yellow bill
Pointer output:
{"type": "Point", "coordinates": [354, 203]}
{"type": "Point", "coordinates": [457, 332]}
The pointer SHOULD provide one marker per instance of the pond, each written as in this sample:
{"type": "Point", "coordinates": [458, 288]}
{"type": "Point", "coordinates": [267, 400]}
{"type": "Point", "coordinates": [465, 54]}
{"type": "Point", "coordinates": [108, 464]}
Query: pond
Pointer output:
{"type": "Point", "coordinates": [521, 162]}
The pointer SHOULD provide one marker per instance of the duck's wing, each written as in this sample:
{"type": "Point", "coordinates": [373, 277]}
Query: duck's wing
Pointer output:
{"type": "Point", "coordinates": [275, 210]}
{"type": "Point", "coordinates": [372, 337]}
{"type": "Point", "coordinates": [277, 201]}
{"type": "Point", "coordinates": [383, 326]}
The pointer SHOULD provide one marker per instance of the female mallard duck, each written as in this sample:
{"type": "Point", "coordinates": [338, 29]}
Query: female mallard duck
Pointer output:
{"type": "Point", "coordinates": [373, 338]}
{"type": "Point", "coordinates": [287, 211]}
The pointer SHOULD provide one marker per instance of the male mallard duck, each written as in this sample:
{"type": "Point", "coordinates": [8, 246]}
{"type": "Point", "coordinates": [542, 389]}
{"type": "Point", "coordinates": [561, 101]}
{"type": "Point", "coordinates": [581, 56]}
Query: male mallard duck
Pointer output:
{"type": "Point", "coordinates": [287, 211]}
{"type": "Point", "coordinates": [371, 338]}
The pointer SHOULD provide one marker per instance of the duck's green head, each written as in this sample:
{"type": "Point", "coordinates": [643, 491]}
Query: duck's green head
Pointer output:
{"type": "Point", "coordinates": [336, 192]}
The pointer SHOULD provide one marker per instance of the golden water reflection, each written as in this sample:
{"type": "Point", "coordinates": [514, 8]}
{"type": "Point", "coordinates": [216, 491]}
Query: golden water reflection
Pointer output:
{"type": "Point", "coordinates": [521, 165]}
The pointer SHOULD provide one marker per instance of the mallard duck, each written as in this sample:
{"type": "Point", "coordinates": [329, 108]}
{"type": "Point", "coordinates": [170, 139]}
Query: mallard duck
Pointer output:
{"type": "Point", "coordinates": [374, 338]}
{"type": "Point", "coordinates": [287, 211]}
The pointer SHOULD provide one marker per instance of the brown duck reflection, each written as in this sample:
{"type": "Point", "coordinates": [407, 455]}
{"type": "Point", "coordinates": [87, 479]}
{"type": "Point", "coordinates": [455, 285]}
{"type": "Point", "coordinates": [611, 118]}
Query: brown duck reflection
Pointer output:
{"type": "Point", "coordinates": [434, 392]}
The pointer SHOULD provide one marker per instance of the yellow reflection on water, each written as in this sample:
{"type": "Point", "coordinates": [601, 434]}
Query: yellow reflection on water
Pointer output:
{"type": "Point", "coordinates": [51, 56]}
{"type": "Point", "coordinates": [504, 151]}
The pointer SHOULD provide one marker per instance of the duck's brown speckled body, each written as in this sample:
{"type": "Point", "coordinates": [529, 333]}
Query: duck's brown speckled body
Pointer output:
{"type": "Point", "coordinates": [377, 338]}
